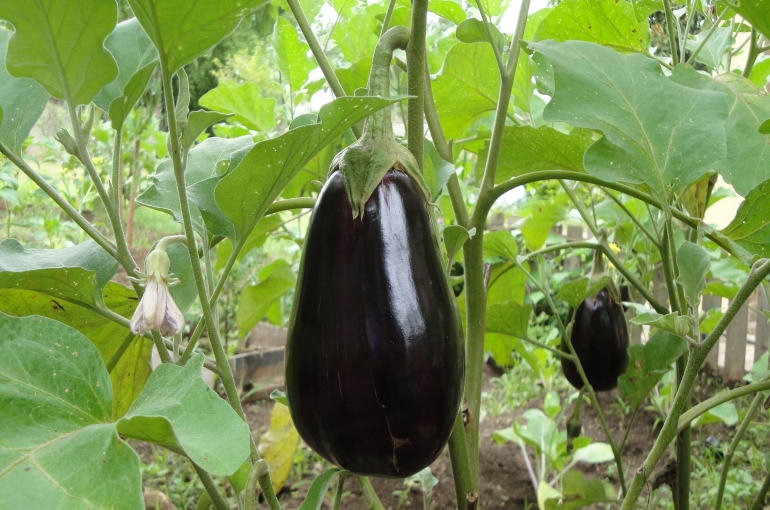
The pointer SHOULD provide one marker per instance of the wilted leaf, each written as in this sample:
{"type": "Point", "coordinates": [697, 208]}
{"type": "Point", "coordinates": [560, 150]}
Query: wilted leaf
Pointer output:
{"type": "Point", "coordinates": [278, 445]}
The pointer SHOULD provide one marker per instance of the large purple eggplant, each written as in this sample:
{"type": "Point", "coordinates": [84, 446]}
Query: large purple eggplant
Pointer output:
{"type": "Point", "coordinates": [600, 339]}
{"type": "Point", "coordinates": [374, 355]}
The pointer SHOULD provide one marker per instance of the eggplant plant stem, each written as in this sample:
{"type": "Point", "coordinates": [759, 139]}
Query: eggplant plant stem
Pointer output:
{"type": "Point", "coordinates": [655, 241]}
{"type": "Point", "coordinates": [388, 16]}
{"type": "Point", "coordinates": [697, 357]}
{"type": "Point", "coordinates": [115, 178]}
{"type": "Point", "coordinates": [49, 190]}
{"type": "Point", "coordinates": [475, 285]}
{"type": "Point", "coordinates": [318, 54]}
{"type": "Point", "coordinates": [415, 64]}
{"type": "Point", "coordinates": [179, 173]}
{"type": "Point", "coordinates": [753, 53]}
{"type": "Point", "coordinates": [758, 398]}
{"type": "Point", "coordinates": [211, 489]}
{"type": "Point", "coordinates": [759, 501]}
{"type": "Point", "coordinates": [491, 39]}
{"type": "Point", "coordinates": [339, 489]}
{"type": "Point", "coordinates": [671, 31]}
{"type": "Point", "coordinates": [461, 469]}
{"type": "Point", "coordinates": [721, 398]}
{"type": "Point", "coordinates": [707, 37]}
{"type": "Point", "coordinates": [370, 496]}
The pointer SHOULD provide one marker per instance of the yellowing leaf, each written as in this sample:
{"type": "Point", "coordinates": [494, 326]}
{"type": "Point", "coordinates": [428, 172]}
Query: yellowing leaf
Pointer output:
{"type": "Point", "coordinates": [278, 445]}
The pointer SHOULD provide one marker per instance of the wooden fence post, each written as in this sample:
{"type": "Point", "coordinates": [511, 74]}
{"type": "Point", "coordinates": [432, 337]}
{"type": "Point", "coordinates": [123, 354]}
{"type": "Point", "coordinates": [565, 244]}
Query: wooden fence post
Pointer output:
{"type": "Point", "coordinates": [574, 233]}
{"type": "Point", "coordinates": [735, 350]}
{"type": "Point", "coordinates": [708, 303]}
{"type": "Point", "coordinates": [762, 333]}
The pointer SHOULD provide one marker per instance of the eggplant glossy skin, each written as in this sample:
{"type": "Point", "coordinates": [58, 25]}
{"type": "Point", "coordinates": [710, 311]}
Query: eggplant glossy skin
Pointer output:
{"type": "Point", "coordinates": [600, 339]}
{"type": "Point", "coordinates": [374, 354]}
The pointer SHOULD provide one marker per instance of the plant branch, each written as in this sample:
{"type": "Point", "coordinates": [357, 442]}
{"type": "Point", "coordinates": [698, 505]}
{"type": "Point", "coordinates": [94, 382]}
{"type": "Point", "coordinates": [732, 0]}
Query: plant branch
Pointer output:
{"type": "Point", "coordinates": [721, 398]}
{"type": "Point", "coordinates": [388, 16]}
{"type": "Point", "coordinates": [671, 32]}
{"type": "Point", "coordinates": [49, 190]}
{"type": "Point", "coordinates": [415, 64]}
{"type": "Point", "coordinates": [753, 53]}
{"type": "Point", "coordinates": [707, 37]}
{"type": "Point", "coordinates": [370, 496]}
{"type": "Point", "coordinates": [695, 361]}
{"type": "Point", "coordinates": [119, 353]}
{"type": "Point", "coordinates": [115, 178]}
{"type": "Point", "coordinates": [340, 478]}
{"type": "Point", "coordinates": [488, 29]}
{"type": "Point", "coordinates": [461, 468]}
{"type": "Point", "coordinates": [655, 241]}
{"type": "Point", "coordinates": [211, 489]}
{"type": "Point", "coordinates": [758, 398]}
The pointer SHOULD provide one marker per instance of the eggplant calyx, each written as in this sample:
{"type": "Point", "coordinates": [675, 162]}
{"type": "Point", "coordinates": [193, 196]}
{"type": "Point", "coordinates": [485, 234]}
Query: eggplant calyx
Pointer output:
{"type": "Point", "coordinates": [364, 163]}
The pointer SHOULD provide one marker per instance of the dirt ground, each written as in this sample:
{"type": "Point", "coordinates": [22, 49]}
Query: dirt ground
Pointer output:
{"type": "Point", "coordinates": [504, 480]}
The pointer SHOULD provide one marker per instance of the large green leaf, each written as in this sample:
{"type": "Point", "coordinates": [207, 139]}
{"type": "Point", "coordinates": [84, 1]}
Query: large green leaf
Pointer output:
{"type": "Point", "coordinates": [580, 492]}
{"type": "Point", "coordinates": [693, 264]}
{"type": "Point", "coordinates": [355, 76]}
{"type": "Point", "coordinates": [55, 432]}
{"type": "Point", "coordinates": [606, 22]}
{"type": "Point", "coordinates": [523, 84]}
{"type": "Point", "coordinates": [22, 101]}
{"type": "Point", "coordinates": [182, 30]}
{"type": "Point", "coordinates": [245, 193]}
{"type": "Point", "coordinates": [713, 50]}
{"type": "Point", "coordinates": [525, 149]}
{"type": "Point", "coordinates": [508, 318]}
{"type": "Point", "coordinates": [448, 9]}
{"type": "Point", "coordinates": [244, 100]}
{"type": "Point", "coordinates": [748, 150]}
{"type": "Point", "coordinates": [60, 45]}
{"type": "Point", "coordinates": [292, 54]}
{"type": "Point", "coordinates": [751, 226]}
{"type": "Point", "coordinates": [76, 274]}
{"type": "Point", "coordinates": [132, 91]}
{"type": "Point", "coordinates": [132, 50]}
{"type": "Point", "coordinates": [177, 408]}
{"type": "Point", "coordinates": [467, 87]}
{"type": "Point", "coordinates": [357, 37]}
{"type": "Point", "coordinates": [255, 300]}
{"type": "Point", "coordinates": [757, 12]}
{"type": "Point", "coordinates": [652, 126]}
{"type": "Point", "coordinates": [206, 163]}
{"type": "Point", "coordinates": [499, 246]}
{"type": "Point", "coordinates": [646, 365]}
{"type": "Point", "coordinates": [133, 369]}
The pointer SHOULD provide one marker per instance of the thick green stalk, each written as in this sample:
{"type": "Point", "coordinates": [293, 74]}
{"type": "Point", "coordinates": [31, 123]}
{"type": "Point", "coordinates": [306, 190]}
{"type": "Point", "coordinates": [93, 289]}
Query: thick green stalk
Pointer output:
{"type": "Point", "coordinates": [115, 178]}
{"type": "Point", "coordinates": [461, 467]}
{"type": "Point", "coordinates": [758, 398]}
{"type": "Point", "coordinates": [211, 489]}
{"type": "Point", "coordinates": [388, 16]}
{"type": "Point", "coordinates": [753, 53]}
{"type": "Point", "coordinates": [697, 358]}
{"type": "Point", "coordinates": [490, 38]}
{"type": "Point", "coordinates": [671, 32]}
{"type": "Point", "coordinates": [415, 64]}
{"type": "Point", "coordinates": [339, 489]}
{"type": "Point", "coordinates": [219, 353]}
{"type": "Point", "coordinates": [49, 190]}
{"type": "Point", "coordinates": [475, 286]}
{"type": "Point", "coordinates": [121, 350]}
{"type": "Point", "coordinates": [721, 398]}
{"type": "Point", "coordinates": [370, 495]}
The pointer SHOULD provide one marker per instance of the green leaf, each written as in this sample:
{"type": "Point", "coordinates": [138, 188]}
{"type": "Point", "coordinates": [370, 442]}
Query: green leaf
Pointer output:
{"type": "Point", "coordinates": [357, 37]}
{"type": "Point", "coordinates": [751, 226]}
{"type": "Point", "coordinates": [693, 263]}
{"type": "Point", "coordinates": [177, 408]}
{"type": "Point", "coordinates": [643, 8]}
{"type": "Point", "coordinates": [500, 246]}
{"type": "Point", "coordinates": [759, 75]}
{"type": "Point", "coordinates": [594, 453]}
{"type": "Point", "coordinates": [266, 226]}
{"type": "Point", "coordinates": [315, 496]}
{"type": "Point", "coordinates": [764, 128]}
{"type": "Point", "coordinates": [355, 76]}
{"type": "Point", "coordinates": [76, 274]}
{"type": "Point", "coordinates": [651, 124]}
{"type": "Point", "coordinates": [495, 7]}
{"type": "Point", "coordinates": [536, 227]}
{"type": "Point", "coordinates": [182, 30]}
{"type": "Point", "coordinates": [454, 238]}
{"type": "Point", "coordinates": [279, 396]}
{"type": "Point", "coordinates": [133, 51]}
{"type": "Point", "coordinates": [748, 150]}
{"type": "Point", "coordinates": [60, 45]}
{"type": "Point", "coordinates": [122, 106]}
{"type": "Point", "coordinates": [709, 320]}
{"type": "Point", "coordinates": [506, 283]}
{"type": "Point", "coordinates": [573, 292]}
{"type": "Point", "coordinates": [756, 12]}
{"type": "Point", "coordinates": [647, 363]}
{"type": "Point", "coordinates": [606, 22]}
{"type": "Point", "coordinates": [254, 301]}
{"type": "Point", "coordinates": [579, 492]}
{"type": "Point", "coordinates": [724, 413]}
{"type": "Point", "coordinates": [523, 84]}
{"type": "Point", "coordinates": [292, 54]}
{"type": "Point", "coordinates": [472, 31]}
{"type": "Point", "coordinates": [246, 192]}
{"type": "Point", "coordinates": [671, 322]}
{"type": "Point", "coordinates": [22, 101]}
{"type": "Point", "coordinates": [244, 100]}
{"type": "Point", "coordinates": [467, 87]}
{"type": "Point", "coordinates": [206, 163]}
{"type": "Point", "coordinates": [508, 318]}
{"type": "Point", "coordinates": [436, 171]}
{"type": "Point", "coordinates": [198, 122]}
{"type": "Point", "coordinates": [525, 149]}
{"type": "Point", "coordinates": [712, 52]}
{"type": "Point", "coordinates": [448, 10]}
{"type": "Point", "coordinates": [133, 369]}
{"type": "Point", "coordinates": [55, 409]}
{"type": "Point", "coordinates": [185, 293]}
